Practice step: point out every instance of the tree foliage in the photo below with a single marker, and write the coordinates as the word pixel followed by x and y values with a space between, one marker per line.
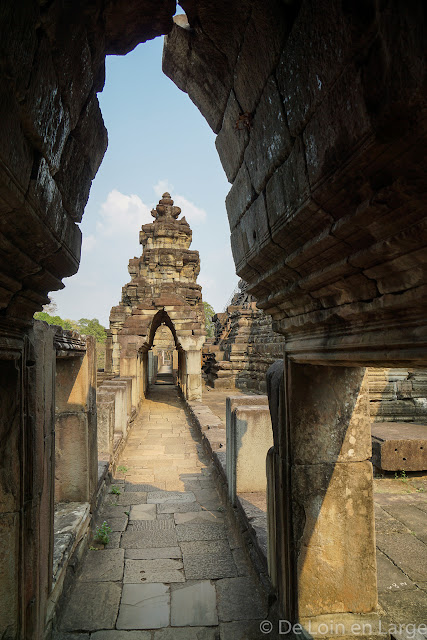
pixel 209 325
pixel 85 326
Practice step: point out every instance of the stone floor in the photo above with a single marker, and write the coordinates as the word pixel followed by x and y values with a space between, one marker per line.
pixel 173 568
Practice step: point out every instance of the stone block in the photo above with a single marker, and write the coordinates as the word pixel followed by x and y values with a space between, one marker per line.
pixel 399 446
pixel 407 552
pixel 143 512
pixel 144 606
pixel 92 606
pixel 208 531
pixel 153 554
pixel 119 635
pixel 193 605
pixel 192 633
pixel 15 150
pixel 43 107
pixel 337 398
pixel 158 570
pixel 160 497
pixel 339 125
pixel 188 60
pixel 209 566
pixel 239 197
pixel 313 57
pixel 232 139
pixel 103 566
pixel 105 422
pixel 336 570
pixel 239 599
pixel 250 437
pixel 72 461
pixel 260 51
pixel 270 142
pixel 139 539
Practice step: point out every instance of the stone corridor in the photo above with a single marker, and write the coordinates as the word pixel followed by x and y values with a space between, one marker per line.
pixel 173 568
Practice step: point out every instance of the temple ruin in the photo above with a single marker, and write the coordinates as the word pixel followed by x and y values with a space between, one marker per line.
pixel 162 291
pixel 319 114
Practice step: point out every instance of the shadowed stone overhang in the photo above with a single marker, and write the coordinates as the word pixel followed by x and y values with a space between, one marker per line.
pixel 319 111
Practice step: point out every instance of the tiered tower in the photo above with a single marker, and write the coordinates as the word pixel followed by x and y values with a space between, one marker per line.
pixel 162 290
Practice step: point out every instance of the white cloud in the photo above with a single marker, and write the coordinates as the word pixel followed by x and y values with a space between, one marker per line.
pixel 162 187
pixel 121 214
pixel 193 214
pixel 88 243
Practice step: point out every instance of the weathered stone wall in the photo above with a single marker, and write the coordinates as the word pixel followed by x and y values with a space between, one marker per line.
pixel 319 111
pixel 398 395
pixel 52 136
pixel 243 348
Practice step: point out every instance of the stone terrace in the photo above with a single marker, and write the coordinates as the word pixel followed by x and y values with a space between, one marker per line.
pixel 174 567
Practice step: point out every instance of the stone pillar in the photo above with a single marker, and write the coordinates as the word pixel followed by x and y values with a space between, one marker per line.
pixel 193 375
pixel 324 486
pixel 175 365
pixel 27 410
pixel 242 442
pixel 105 402
pixel 121 397
pixel 76 451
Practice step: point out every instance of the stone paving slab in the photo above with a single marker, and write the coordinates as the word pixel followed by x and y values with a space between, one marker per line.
pixel 142 512
pixel 60 635
pixel 160 497
pixel 245 630
pixel 114 540
pixel 113 512
pixel 239 599
pixel 405 550
pixel 130 487
pixel 152 525
pixel 206 531
pixel 202 547
pixel 148 539
pixel 144 606
pixel 120 635
pixel 199 517
pixel 92 606
pixel 131 497
pixel 390 577
pixel 406 607
pixel 153 553
pixel 194 633
pixel 209 566
pixel 193 604
pixel 103 566
pixel 159 570
pixel 412 517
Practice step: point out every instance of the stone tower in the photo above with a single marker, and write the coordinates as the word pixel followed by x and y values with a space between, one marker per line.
pixel 162 291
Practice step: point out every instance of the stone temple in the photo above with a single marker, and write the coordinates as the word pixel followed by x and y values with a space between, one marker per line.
pixel 162 291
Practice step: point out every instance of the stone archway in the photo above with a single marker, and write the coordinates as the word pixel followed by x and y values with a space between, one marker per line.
pixel 163 289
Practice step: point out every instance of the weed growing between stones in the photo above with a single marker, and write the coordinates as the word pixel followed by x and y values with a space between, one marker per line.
pixel 102 533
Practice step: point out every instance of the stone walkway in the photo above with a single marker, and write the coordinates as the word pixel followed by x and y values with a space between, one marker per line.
pixel 173 566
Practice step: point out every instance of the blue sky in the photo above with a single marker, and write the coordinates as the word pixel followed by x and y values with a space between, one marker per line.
pixel 158 141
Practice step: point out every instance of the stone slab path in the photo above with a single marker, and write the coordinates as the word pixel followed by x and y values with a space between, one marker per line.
pixel 173 568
